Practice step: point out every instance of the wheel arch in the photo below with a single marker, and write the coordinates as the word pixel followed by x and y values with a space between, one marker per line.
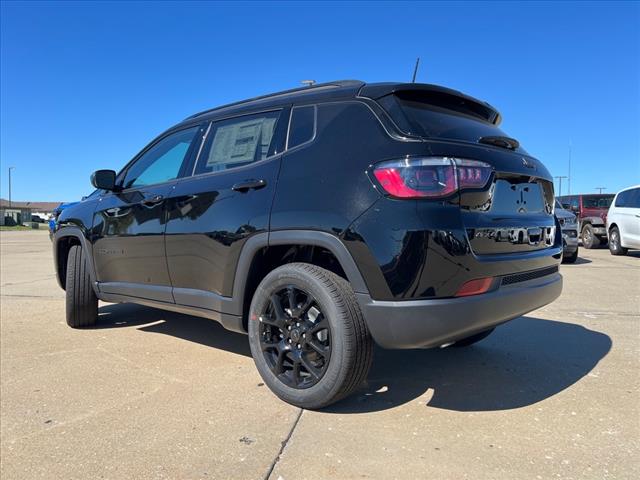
pixel 265 251
pixel 591 221
pixel 63 240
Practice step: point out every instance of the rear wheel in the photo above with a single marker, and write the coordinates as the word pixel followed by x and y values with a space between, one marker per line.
pixel 589 240
pixel 615 246
pixel 307 335
pixel 82 303
pixel 466 342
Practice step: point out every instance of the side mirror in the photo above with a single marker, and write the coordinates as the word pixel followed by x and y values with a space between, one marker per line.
pixel 104 179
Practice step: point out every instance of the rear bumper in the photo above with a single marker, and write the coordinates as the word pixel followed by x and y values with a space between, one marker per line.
pixel 431 323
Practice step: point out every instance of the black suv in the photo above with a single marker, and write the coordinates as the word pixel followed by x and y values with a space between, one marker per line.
pixel 319 220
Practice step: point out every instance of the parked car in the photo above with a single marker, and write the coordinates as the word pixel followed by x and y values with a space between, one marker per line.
pixel 623 221
pixel 37 218
pixel 591 210
pixel 53 220
pixel 320 220
pixel 569 225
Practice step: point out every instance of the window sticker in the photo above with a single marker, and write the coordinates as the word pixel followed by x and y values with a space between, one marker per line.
pixel 237 143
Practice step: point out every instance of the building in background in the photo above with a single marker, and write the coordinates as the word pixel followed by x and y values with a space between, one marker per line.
pixel 22 212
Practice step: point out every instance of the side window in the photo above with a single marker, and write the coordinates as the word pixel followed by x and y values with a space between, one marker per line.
pixel 622 200
pixel 162 161
pixel 633 200
pixel 237 142
pixel 303 125
pixel 574 203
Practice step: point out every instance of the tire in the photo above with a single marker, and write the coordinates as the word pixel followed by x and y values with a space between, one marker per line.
pixel 615 243
pixel 335 349
pixel 589 240
pixel 82 303
pixel 466 342
pixel 571 258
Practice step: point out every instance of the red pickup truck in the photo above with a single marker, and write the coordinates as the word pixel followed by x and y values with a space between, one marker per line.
pixel 591 210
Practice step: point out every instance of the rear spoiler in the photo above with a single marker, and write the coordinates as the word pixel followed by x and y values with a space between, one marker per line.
pixel 479 108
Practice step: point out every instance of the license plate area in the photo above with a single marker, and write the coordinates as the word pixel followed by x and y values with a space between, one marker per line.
pixel 515 219
pixel 517 198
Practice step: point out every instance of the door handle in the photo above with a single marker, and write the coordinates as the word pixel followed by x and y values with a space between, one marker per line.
pixel 150 202
pixel 247 185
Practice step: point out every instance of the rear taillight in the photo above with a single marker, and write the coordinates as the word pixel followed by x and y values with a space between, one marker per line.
pixel 432 177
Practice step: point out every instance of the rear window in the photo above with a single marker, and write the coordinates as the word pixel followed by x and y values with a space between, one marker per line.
pixel 597 201
pixel 440 116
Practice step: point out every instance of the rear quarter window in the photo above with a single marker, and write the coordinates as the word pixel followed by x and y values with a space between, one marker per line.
pixel 302 128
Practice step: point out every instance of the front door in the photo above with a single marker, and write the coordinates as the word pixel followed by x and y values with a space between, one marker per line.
pixel 128 226
pixel 228 199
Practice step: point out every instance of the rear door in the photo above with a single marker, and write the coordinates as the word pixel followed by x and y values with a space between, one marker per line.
pixel 228 198
pixel 129 225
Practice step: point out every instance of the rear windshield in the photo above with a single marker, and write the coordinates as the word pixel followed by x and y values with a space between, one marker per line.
pixel 597 201
pixel 448 117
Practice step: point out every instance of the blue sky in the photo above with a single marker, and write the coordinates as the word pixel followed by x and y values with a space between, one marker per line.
pixel 87 85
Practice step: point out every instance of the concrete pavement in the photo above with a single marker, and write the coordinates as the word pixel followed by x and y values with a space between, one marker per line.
pixel 153 394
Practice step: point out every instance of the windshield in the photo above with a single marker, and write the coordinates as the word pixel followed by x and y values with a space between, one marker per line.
pixel 597 201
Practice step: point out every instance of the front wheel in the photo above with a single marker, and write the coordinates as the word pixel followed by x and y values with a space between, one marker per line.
pixel 589 239
pixel 307 335
pixel 82 303
pixel 615 246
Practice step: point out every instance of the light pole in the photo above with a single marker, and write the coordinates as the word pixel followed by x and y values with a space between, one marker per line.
pixel 600 189
pixel 10 168
pixel 569 180
pixel 560 177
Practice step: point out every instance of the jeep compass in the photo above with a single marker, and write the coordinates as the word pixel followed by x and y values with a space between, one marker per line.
pixel 321 220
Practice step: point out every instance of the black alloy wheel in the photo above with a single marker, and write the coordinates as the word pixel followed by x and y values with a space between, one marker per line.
pixel 295 337
pixel 308 337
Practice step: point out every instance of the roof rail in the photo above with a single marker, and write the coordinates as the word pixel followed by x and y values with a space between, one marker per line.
pixel 318 86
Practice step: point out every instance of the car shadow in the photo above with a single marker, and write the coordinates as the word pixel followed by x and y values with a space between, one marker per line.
pixel 523 362
pixel 194 329
pixel 579 261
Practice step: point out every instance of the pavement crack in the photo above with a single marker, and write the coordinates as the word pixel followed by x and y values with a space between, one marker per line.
pixel 283 446
pixel 26 282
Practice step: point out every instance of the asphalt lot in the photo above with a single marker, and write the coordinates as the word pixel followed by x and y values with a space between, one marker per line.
pixel 151 394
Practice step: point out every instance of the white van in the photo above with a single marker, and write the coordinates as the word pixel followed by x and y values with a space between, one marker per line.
pixel 623 221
